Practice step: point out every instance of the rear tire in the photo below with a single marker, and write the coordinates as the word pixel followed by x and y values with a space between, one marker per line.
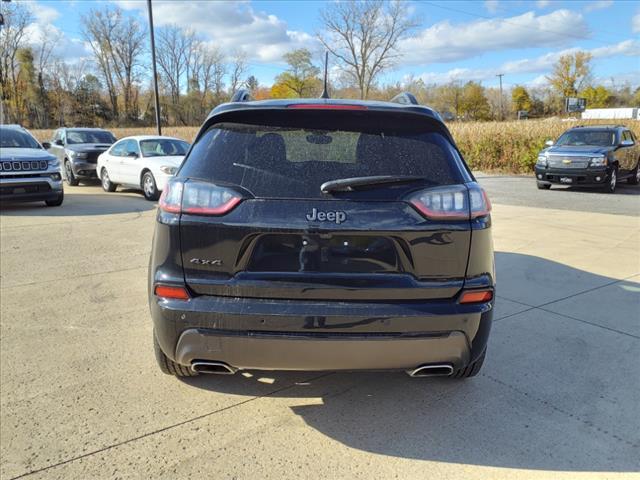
pixel 634 179
pixel 168 366
pixel 56 202
pixel 470 370
pixel 610 187
pixel 68 173
pixel 107 184
pixel 543 186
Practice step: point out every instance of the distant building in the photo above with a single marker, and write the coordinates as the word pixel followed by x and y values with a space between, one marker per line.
pixel 611 113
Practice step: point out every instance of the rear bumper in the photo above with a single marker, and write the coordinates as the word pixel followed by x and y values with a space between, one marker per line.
pixel 307 335
pixel 579 177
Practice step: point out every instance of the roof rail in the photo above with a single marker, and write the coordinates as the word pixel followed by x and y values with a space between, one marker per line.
pixel 405 98
pixel 242 95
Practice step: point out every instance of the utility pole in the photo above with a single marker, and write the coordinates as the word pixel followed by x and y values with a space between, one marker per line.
pixel 500 75
pixel 153 63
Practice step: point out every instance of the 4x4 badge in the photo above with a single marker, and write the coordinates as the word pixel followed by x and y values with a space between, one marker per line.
pixel 320 216
pixel 202 261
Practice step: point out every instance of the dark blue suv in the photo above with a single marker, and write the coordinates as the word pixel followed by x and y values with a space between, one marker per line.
pixel 322 235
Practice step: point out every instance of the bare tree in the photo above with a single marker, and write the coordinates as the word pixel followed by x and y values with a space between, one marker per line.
pixel 364 36
pixel 12 38
pixel 238 69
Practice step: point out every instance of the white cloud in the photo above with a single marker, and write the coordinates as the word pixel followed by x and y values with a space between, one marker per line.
pixel 43 14
pixel 541 64
pixel 229 25
pixel 491 5
pixel 598 5
pixel 445 42
pixel 635 23
pixel 543 3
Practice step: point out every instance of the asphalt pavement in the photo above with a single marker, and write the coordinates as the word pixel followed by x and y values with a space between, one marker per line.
pixel 81 395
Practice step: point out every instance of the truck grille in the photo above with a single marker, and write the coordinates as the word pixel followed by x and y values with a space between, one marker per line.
pixel 568 162
pixel 23 166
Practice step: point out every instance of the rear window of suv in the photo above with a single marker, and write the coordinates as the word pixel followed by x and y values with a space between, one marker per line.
pixel 274 161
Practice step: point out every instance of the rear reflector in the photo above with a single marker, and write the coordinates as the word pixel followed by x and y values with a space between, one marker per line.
pixel 476 296
pixel 198 198
pixel 324 106
pixel 177 293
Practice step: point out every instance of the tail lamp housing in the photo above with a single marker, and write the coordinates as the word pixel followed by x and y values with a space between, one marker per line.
pixel 198 198
pixel 452 202
pixel 476 296
pixel 171 292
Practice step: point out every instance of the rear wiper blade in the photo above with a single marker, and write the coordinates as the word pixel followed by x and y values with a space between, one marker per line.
pixel 350 184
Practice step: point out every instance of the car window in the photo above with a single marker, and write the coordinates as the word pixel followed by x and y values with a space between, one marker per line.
pixel 163 147
pixel 118 150
pixel 626 135
pixel 578 138
pixel 89 136
pixel 57 135
pixel 297 161
pixel 131 147
pixel 12 138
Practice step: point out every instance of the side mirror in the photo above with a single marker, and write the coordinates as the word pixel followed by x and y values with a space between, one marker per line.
pixel 58 142
pixel 132 155
pixel 549 143
pixel 46 145
pixel 626 143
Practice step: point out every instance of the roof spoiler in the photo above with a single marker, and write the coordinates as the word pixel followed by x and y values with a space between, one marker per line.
pixel 242 95
pixel 405 98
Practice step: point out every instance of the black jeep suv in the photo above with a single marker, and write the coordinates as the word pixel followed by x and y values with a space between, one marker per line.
pixel 590 156
pixel 322 235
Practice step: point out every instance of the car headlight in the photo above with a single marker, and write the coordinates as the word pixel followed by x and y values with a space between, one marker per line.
pixel 168 170
pixel 54 162
pixel 542 160
pixel 75 154
pixel 598 161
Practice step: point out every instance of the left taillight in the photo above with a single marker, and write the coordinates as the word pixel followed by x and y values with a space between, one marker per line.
pixel 198 198
pixel 452 202
pixel 171 292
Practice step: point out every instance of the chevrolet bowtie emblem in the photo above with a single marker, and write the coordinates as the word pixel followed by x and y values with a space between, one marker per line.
pixel 566 162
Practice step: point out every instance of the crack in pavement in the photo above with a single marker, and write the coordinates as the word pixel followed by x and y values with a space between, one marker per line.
pixel 164 429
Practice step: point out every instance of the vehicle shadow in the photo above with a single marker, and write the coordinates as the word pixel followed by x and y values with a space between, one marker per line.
pixel 537 404
pixel 82 204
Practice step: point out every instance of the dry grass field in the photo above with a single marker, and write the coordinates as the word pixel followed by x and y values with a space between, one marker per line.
pixel 489 146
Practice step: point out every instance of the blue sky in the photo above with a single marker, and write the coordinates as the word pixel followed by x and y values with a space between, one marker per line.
pixel 456 40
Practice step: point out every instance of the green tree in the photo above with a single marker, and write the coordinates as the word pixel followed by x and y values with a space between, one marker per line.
pixel 520 99
pixel 570 73
pixel 597 97
pixel 473 103
pixel 302 75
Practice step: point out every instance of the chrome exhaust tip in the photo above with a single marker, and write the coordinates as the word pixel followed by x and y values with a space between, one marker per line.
pixel 443 370
pixel 216 368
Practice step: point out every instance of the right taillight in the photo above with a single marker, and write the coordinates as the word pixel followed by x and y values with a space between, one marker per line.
pixel 198 198
pixel 453 202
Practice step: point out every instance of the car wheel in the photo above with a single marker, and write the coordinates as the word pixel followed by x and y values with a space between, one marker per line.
pixel 543 186
pixel 55 202
pixel 634 179
pixel 610 187
pixel 149 187
pixel 168 366
pixel 107 185
pixel 68 173
pixel 470 370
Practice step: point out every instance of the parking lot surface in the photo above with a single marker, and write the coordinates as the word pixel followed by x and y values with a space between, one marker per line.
pixel 82 397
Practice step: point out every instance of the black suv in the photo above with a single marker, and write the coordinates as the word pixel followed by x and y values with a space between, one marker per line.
pixel 78 150
pixel 590 156
pixel 322 235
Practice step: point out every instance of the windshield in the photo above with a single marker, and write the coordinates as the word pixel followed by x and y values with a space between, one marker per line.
pixel 577 138
pixel 163 147
pixel 285 162
pixel 89 136
pixel 10 138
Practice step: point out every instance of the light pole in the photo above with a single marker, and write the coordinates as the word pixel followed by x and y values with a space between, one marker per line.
pixel 153 63
pixel 500 75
